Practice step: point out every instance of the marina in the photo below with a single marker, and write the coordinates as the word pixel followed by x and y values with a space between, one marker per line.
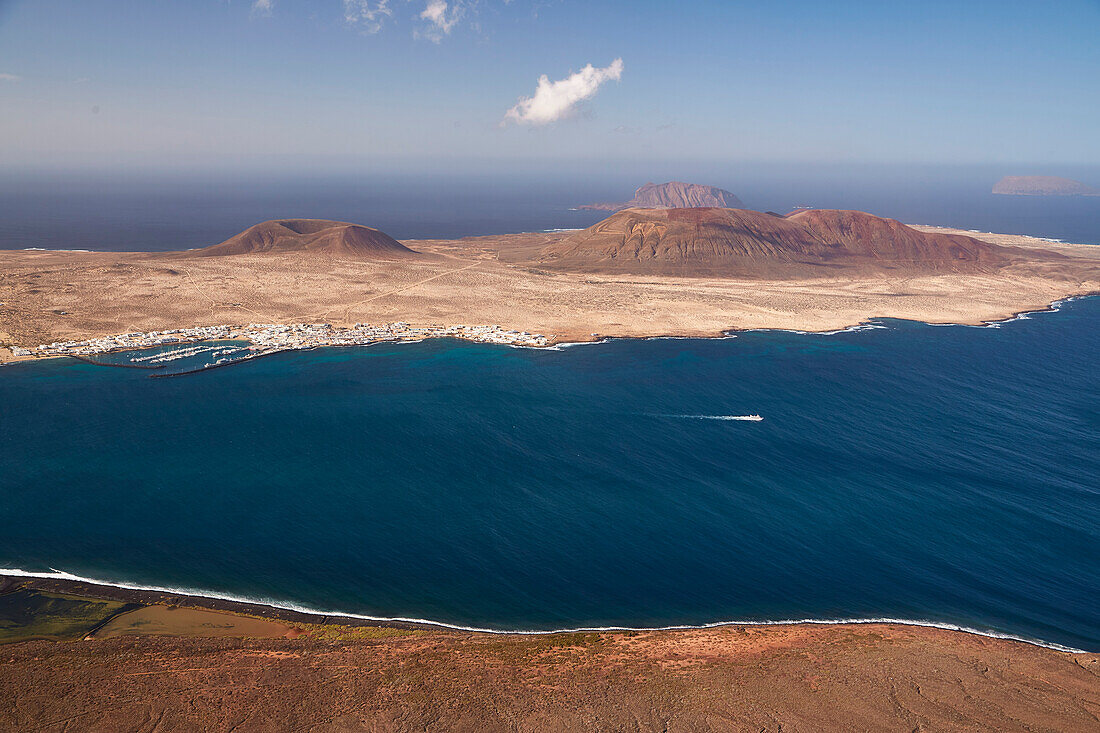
pixel 261 340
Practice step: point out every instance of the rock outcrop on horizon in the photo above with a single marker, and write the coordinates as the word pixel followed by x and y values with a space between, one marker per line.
pixel 321 236
pixel 673 195
pixel 1042 186
pixel 743 243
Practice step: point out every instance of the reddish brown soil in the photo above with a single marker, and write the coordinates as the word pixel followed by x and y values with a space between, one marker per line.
pixel 793 678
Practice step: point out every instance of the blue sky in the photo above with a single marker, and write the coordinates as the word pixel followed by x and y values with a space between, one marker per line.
pixel 332 83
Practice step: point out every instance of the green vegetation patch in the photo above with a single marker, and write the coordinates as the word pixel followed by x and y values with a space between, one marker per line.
pixel 338 632
pixel 31 614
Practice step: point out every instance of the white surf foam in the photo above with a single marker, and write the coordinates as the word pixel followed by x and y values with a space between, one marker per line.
pixel 54 574
pixel 1054 307
pixel 870 326
pixel 45 249
pixel 608 339
pixel 563 345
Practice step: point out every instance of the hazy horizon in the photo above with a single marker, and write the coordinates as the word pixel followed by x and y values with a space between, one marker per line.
pixel 144 210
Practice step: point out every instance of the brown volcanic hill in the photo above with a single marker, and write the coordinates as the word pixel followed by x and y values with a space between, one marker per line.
pixel 739 242
pixel 674 195
pixel 1042 186
pixel 311 235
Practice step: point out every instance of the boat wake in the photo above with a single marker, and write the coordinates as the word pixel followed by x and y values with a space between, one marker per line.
pixel 745 418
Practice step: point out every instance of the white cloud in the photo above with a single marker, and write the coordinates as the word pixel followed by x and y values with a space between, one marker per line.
pixel 367 15
pixel 558 99
pixel 9 77
pixel 262 7
pixel 440 21
pixel 440 16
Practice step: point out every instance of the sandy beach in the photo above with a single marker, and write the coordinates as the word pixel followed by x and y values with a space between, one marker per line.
pixel 52 296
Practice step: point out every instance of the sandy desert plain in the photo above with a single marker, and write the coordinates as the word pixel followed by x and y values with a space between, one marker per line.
pixel 48 296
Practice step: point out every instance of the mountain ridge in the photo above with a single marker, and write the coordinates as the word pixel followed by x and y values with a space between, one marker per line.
pixel 742 242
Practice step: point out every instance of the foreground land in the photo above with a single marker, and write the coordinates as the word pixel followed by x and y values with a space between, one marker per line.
pixel 56 296
pixel 134 663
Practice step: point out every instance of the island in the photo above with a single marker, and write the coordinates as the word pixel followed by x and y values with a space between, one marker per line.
pixel 1042 186
pixel 639 273
pixel 674 194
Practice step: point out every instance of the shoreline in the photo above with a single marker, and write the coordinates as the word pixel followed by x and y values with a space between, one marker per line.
pixel 550 343
pixel 979 234
pixel 62 582
pixel 184 668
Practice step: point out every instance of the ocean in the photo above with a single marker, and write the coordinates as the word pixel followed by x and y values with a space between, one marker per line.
pixel 941 474
pixel 146 212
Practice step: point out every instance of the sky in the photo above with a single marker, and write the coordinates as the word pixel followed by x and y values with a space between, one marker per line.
pixel 446 83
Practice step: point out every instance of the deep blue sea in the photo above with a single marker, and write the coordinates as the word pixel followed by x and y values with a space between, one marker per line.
pixel 943 474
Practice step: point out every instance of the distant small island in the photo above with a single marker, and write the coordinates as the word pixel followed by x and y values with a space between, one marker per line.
pixel 672 195
pixel 1042 186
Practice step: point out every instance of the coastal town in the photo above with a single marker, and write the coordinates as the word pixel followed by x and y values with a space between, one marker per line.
pixel 269 338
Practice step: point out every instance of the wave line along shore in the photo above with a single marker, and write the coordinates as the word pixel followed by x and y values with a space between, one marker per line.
pixel 61 575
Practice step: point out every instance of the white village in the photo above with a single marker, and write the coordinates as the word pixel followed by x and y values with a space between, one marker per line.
pixel 268 338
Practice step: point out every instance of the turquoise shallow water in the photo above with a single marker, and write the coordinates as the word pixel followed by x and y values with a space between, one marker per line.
pixel 946 474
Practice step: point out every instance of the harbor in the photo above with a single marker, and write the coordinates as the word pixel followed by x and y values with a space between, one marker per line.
pixel 209 347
